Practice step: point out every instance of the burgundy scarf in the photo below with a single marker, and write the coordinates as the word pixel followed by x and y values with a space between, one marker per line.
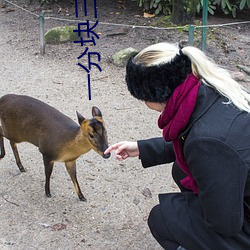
pixel 174 119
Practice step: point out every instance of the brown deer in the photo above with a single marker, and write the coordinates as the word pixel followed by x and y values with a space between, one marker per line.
pixel 59 138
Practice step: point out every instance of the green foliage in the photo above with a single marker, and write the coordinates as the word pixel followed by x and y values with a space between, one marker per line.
pixel 165 6
pixel 226 6
pixel 211 7
pixel 230 6
pixel 158 6
pixel 244 4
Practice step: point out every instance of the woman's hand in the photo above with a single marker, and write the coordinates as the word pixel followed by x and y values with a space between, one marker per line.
pixel 124 150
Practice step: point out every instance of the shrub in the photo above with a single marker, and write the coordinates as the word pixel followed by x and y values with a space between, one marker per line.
pixel 157 6
pixel 227 6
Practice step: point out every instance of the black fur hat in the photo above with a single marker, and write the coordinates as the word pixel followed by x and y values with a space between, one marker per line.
pixel 156 83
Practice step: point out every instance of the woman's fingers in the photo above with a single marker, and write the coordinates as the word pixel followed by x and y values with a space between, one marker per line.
pixel 121 148
pixel 124 149
pixel 113 147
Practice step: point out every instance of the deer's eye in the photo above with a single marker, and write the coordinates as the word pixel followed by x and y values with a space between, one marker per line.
pixel 91 136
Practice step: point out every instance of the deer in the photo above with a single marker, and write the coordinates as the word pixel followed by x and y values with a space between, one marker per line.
pixel 57 136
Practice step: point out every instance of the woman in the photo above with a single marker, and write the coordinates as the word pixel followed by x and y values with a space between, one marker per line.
pixel 205 118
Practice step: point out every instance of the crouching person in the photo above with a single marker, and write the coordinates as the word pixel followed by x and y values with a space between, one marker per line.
pixel 205 119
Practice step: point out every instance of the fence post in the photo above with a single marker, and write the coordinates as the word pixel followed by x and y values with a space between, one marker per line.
pixel 204 24
pixel 42 31
pixel 191 35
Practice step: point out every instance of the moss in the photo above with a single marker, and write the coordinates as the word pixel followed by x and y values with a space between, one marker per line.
pixel 61 34
pixel 163 22
pixel 121 58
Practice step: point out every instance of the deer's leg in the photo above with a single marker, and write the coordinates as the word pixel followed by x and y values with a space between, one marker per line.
pixel 1 144
pixel 71 168
pixel 48 165
pixel 18 161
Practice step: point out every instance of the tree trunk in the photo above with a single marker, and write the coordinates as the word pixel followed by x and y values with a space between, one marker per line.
pixel 183 11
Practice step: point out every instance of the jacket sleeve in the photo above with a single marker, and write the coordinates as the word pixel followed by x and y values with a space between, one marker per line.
pixel 220 173
pixel 155 151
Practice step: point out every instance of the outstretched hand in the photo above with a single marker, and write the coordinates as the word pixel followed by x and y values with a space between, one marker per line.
pixel 124 150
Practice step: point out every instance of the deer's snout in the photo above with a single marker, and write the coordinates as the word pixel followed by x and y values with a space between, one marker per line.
pixel 106 156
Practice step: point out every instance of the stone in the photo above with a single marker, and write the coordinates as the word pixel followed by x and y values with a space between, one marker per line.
pixel 121 58
pixel 239 76
pixel 147 193
pixel 244 68
pixel 2 3
pixel 61 35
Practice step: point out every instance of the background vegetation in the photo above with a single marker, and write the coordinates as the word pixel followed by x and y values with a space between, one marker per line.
pixel 165 6
pixel 226 6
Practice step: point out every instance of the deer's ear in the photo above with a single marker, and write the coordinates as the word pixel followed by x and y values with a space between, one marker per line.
pixel 96 112
pixel 80 118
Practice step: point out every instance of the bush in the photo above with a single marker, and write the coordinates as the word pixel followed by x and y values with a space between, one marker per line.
pixel 227 6
pixel 232 6
pixel 157 6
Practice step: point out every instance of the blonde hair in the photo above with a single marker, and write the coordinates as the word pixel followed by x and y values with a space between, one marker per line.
pixel 202 67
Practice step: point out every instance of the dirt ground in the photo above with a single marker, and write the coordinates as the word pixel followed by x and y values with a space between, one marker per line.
pixel 119 195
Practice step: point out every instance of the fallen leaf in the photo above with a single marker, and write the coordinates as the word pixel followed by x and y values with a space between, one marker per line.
pixel 58 227
pixel 147 15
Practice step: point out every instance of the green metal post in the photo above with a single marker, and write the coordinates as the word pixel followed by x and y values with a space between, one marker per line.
pixel 204 24
pixel 191 35
pixel 42 31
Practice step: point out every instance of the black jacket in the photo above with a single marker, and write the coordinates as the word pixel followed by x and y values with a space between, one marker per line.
pixel 216 145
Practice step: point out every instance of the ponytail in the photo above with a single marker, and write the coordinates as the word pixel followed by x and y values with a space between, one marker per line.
pixel 218 78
